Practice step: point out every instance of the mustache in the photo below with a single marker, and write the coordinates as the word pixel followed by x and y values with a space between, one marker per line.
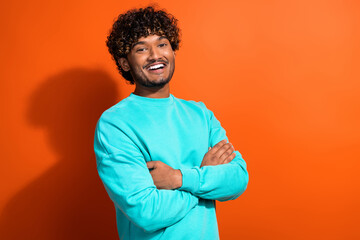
pixel 155 61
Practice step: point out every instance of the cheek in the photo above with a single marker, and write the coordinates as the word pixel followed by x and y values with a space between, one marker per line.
pixel 171 53
pixel 138 62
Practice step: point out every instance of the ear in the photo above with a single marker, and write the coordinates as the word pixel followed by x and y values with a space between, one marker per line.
pixel 124 63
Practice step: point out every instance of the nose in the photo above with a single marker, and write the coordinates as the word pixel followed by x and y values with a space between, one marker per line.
pixel 154 53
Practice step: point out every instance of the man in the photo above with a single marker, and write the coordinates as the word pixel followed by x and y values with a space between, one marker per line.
pixel 163 160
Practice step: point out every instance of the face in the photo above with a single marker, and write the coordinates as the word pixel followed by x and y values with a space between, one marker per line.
pixel 151 61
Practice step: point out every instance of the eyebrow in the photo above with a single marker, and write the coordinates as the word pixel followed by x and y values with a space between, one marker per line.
pixel 142 42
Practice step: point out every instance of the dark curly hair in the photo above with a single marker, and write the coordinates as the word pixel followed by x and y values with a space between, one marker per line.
pixel 137 23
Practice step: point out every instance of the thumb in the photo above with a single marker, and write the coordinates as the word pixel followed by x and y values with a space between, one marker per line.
pixel 151 164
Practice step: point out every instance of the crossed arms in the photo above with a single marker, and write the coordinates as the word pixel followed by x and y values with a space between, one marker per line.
pixel 156 199
pixel 165 177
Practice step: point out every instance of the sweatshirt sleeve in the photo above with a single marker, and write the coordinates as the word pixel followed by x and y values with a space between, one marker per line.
pixel 221 182
pixel 123 171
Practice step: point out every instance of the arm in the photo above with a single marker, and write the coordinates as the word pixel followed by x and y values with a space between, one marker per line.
pixel 221 182
pixel 124 172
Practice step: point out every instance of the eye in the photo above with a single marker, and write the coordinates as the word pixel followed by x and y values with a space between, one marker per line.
pixel 141 50
pixel 162 44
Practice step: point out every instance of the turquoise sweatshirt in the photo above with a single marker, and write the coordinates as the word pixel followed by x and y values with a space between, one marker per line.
pixel 178 133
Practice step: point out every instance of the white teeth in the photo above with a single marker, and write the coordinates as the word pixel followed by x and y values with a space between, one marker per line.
pixel 156 66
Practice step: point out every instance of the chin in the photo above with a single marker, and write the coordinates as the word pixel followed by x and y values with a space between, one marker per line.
pixel 159 83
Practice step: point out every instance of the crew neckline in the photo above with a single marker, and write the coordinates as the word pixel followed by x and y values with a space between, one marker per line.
pixel 152 101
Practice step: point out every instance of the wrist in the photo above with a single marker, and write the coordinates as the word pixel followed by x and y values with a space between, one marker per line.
pixel 177 179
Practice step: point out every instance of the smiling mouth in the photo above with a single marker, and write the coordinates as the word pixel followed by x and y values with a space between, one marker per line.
pixel 156 68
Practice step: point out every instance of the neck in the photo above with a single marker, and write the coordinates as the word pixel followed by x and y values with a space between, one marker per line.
pixel 161 92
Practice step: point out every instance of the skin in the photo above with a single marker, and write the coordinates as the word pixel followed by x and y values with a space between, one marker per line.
pixel 147 51
pixel 155 49
pixel 221 153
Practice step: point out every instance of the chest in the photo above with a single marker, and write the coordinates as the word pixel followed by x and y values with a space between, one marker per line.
pixel 177 138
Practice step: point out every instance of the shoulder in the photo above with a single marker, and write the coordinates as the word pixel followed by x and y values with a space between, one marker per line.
pixel 191 103
pixel 117 113
pixel 198 106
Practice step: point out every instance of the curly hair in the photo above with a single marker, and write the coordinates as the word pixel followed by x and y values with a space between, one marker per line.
pixel 138 23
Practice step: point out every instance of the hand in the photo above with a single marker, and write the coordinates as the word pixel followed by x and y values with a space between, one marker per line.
pixel 221 153
pixel 164 176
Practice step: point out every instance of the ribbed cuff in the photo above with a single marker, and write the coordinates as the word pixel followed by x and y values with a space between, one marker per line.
pixel 190 180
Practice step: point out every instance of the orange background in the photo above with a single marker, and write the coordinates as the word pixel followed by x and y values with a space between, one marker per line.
pixel 281 76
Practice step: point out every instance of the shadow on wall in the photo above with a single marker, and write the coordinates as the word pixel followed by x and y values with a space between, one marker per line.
pixel 68 201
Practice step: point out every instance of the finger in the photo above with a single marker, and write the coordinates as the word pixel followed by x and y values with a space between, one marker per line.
pixel 223 150
pixel 218 146
pixel 230 158
pixel 227 153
